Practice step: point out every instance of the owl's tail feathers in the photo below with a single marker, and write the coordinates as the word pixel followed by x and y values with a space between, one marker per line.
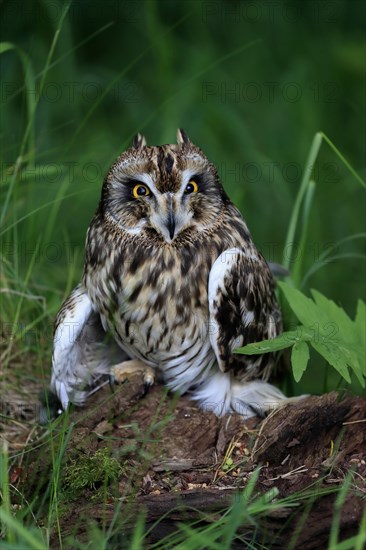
pixel 222 394
pixel 256 398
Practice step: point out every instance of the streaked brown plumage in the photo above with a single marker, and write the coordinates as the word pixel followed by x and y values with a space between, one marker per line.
pixel 171 272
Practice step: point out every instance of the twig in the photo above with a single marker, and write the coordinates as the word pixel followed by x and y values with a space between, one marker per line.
pixel 298 470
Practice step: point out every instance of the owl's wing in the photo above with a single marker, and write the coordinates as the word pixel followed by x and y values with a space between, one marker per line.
pixel 81 353
pixel 243 309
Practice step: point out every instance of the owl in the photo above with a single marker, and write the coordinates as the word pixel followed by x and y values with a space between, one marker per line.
pixel 172 285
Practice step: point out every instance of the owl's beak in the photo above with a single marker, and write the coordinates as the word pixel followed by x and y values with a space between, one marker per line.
pixel 171 224
pixel 168 218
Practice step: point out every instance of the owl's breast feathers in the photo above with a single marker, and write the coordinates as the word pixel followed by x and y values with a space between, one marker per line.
pixel 154 298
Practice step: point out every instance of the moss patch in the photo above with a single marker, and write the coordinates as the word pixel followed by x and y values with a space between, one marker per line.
pixel 90 471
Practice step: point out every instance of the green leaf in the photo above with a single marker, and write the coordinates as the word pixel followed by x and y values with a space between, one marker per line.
pixel 336 356
pixel 304 308
pixel 336 315
pixel 360 318
pixel 331 332
pixel 346 335
pixel 299 359
pixel 284 340
pixel 360 335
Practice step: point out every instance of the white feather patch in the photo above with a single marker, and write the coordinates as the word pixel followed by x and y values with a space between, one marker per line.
pixel 72 324
pixel 221 394
pixel 79 355
pixel 254 398
pixel 215 393
pixel 216 288
pixel 248 318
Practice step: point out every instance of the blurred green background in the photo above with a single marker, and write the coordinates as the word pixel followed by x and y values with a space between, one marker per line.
pixel 251 83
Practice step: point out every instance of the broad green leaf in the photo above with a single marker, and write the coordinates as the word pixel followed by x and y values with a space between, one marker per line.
pixel 359 372
pixel 360 318
pixel 339 339
pixel 284 340
pixel 327 327
pixel 335 357
pixel 299 359
pixel 343 333
pixel 304 308
pixel 360 328
pixel 349 337
pixel 336 315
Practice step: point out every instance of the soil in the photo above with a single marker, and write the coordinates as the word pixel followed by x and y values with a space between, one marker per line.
pixel 179 463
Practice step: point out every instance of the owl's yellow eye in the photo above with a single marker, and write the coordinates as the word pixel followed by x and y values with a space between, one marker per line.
pixel 140 190
pixel 191 187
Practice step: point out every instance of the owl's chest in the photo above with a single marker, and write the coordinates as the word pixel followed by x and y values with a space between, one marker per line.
pixel 165 295
pixel 156 302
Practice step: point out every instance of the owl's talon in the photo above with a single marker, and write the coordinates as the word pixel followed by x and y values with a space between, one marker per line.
pixel 149 379
pixel 147 387
pixel 121 372
pixel 50 407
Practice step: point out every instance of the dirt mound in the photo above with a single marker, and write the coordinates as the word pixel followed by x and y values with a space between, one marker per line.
pixel 162 454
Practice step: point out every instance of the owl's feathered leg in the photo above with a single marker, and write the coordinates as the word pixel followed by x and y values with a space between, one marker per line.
pixel 221 393
pixel 82 352
pixel 124 370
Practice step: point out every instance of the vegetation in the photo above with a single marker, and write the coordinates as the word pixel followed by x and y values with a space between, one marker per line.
pixel 328 329
pixel 257 87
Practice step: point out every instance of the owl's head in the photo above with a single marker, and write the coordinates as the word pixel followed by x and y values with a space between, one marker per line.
pixel 165 191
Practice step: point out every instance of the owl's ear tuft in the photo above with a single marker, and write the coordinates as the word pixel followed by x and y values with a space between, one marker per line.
pixel 139 141
pixel 182 137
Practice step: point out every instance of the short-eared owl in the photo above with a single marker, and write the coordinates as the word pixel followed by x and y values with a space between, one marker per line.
pixel 172 283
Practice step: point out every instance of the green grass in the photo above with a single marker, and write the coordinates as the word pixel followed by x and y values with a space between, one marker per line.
pixel 78 83
pixel 25 527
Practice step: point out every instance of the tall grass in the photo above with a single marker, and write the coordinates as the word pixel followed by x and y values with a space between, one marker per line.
pixel 52 172
pixel 150 75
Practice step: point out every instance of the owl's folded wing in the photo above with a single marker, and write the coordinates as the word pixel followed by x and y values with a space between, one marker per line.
pixel 243 309
pixel 70 324
pixel 80 353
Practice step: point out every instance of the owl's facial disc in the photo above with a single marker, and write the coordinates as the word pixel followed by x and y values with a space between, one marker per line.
pixel 169 189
